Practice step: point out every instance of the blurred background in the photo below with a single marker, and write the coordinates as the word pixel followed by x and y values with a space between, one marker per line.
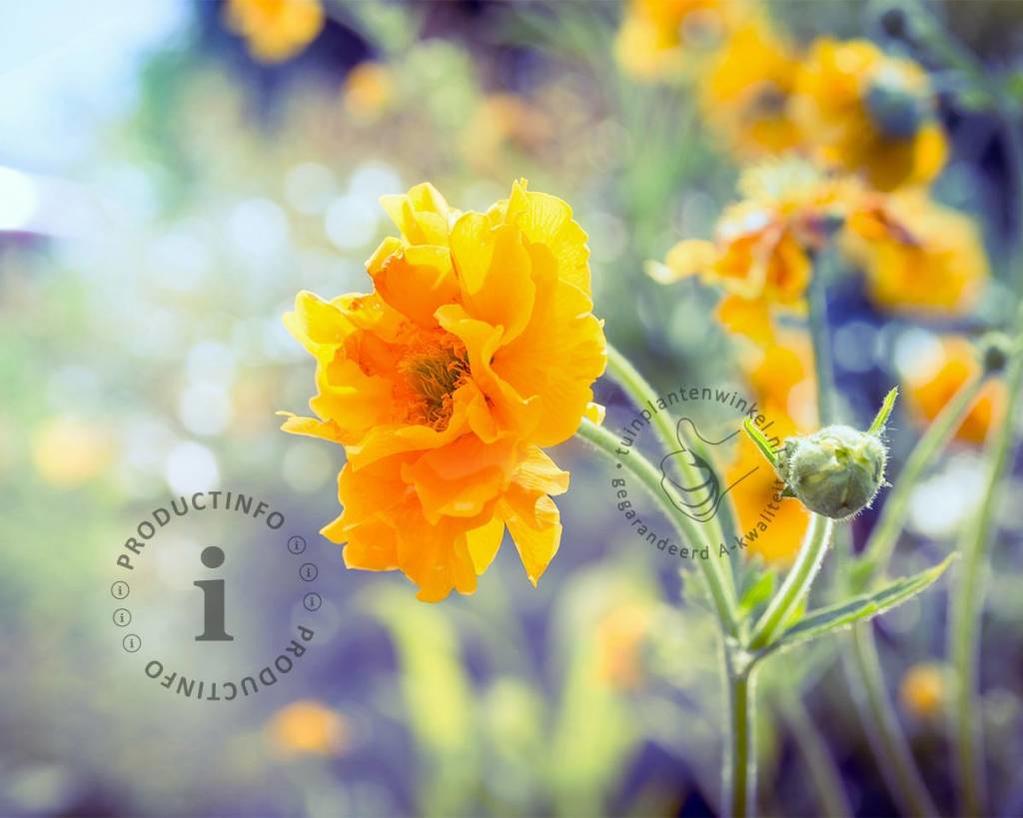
pixel 172 173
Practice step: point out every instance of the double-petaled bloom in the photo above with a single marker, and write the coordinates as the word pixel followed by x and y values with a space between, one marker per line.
pixel 864 111
pixel 477 348
pixel 762 253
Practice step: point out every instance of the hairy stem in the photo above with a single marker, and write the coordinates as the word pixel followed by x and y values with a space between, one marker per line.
pixel 741 766
pixel 881 722
pixel 797 583
pixel 722 593
pixel 818 321
pixel 644 396
pixel 885 534
pixel 967 607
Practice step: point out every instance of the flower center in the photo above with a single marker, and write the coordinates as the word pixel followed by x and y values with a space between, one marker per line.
pixel 432 370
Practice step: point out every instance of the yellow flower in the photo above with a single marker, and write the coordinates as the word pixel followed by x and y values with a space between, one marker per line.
pixel 368 89
pixel 871 113
pixel 922 691
pixel 500 120
pixel 918 256
pixel 619 640
pixel 275 30
pixel 477 347
pixel 929 390
pixel 656 34
pixel 761 253
pixel 781 377
pixel 307 727
pixel 746 90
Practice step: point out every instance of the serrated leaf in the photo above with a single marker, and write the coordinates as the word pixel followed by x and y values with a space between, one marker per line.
pixel 833 618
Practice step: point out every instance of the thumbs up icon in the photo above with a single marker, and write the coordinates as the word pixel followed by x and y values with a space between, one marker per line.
pixel 701 500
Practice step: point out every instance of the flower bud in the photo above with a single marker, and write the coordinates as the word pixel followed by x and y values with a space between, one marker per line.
pixel 836 471
pixel 897 109
pixel 995 350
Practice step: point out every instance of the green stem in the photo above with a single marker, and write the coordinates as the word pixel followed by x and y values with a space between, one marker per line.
pixel 644 396
pixel 878 551
pixel 967 606
pixel 818 321
pixel 797 583
pixel 878 716
pixel 816 755
pixel 650 476
pixel 741 765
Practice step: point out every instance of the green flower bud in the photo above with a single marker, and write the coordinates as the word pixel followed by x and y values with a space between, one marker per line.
pixel 835 472
pixel 996 348
pixel 897 111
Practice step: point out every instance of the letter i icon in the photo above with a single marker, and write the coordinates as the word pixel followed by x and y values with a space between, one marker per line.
pixel 213 599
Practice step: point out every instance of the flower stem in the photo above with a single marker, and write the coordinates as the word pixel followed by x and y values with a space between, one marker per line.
pixel 816 755
pixel 797 583
pixel 967 605
pixel 879 719
pixel 644 396
pixel 741 766
pixel 878 551
pixel 818 321
pixel 722 594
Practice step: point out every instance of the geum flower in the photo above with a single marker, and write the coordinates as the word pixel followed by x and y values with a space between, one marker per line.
pixel 762 254
pixel 275 30
pixel 477 347
pixel 746 90
pixel 864 111
pixel 918 256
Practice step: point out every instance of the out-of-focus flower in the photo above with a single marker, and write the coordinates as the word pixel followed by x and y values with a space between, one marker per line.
pixel 500 120
pixel 761 255
pixel 619 641
pixel 923 691
pixel 307 727
pixel 368 89
pixel 477 348
pixel 930 389
pixel 746 89
pixel 868 112
pixel 275 30
pixel 67 451
pixel 918 255
pixel 782 378
pixel 772 527
pixel 655 35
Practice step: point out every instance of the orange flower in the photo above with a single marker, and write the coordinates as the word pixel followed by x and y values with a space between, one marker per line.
pixel 929 389
pixel 477 347
pixel 620 634
pixel 761 256
pixel 781 376
pixel 917 254
pixel 871 113
pixel 746 90
pixel 368 89
pixel 656 34
pixel 275 30
pixel 307 728
pixel 923 691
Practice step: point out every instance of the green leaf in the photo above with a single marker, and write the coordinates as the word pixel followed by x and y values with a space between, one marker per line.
pixel 882 414
pixel 761 442
pixel 759 592
pixel 833 618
